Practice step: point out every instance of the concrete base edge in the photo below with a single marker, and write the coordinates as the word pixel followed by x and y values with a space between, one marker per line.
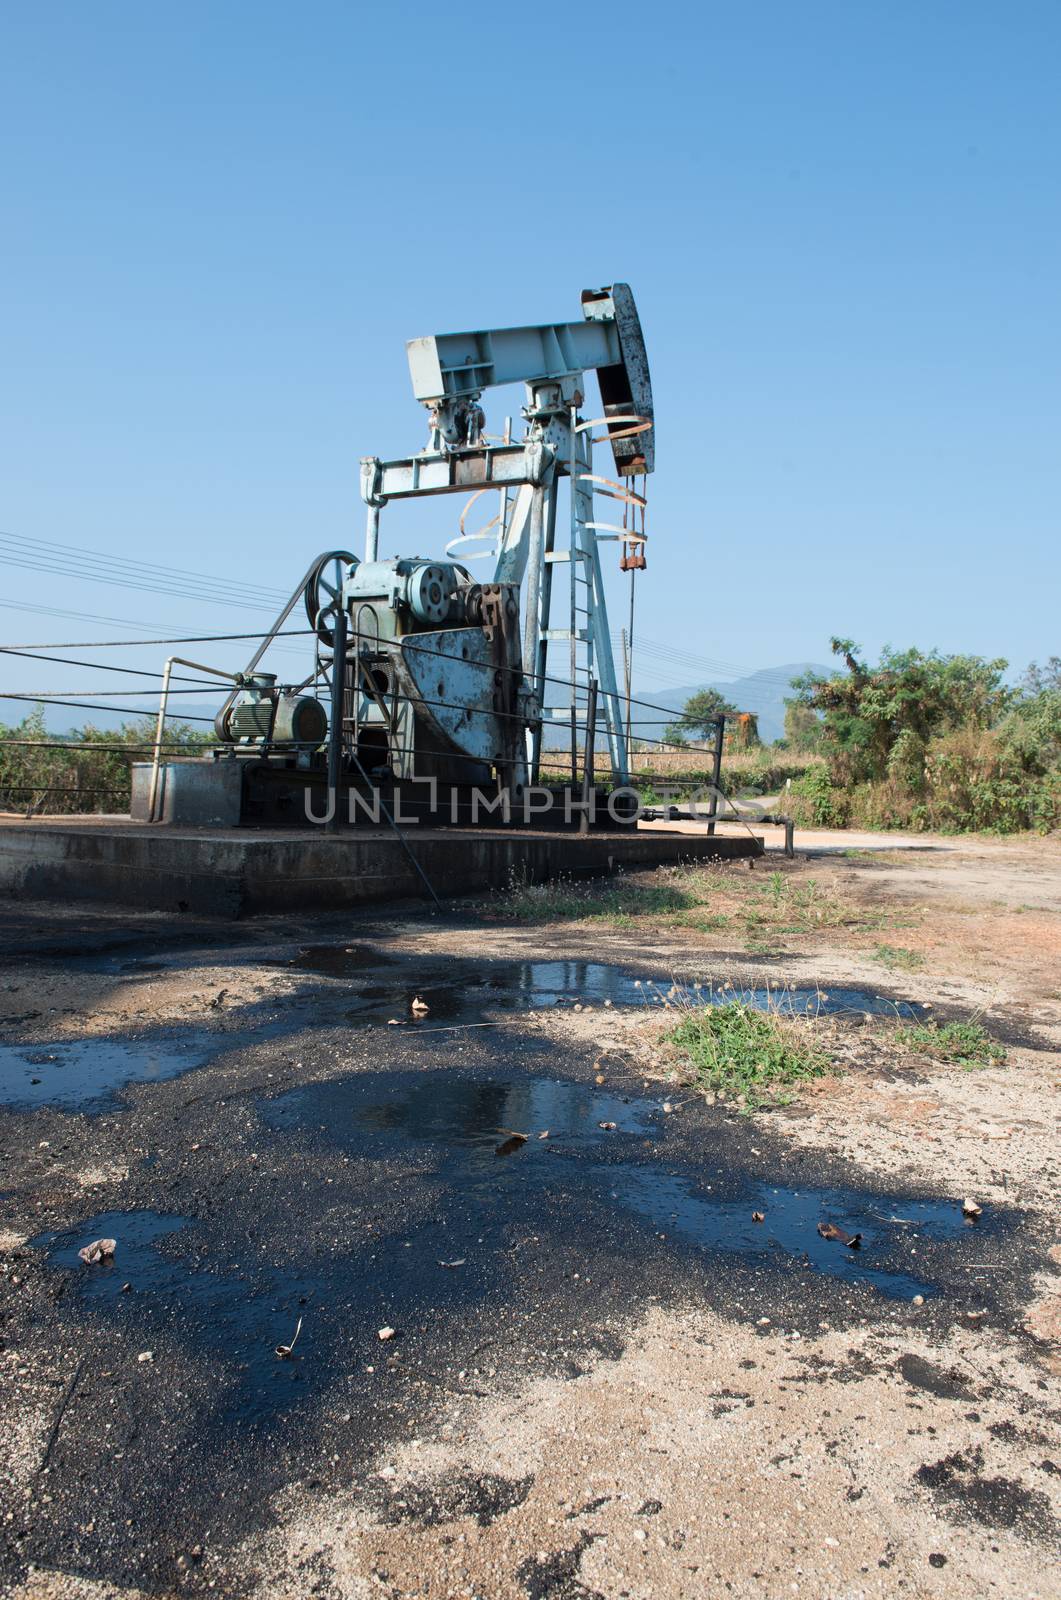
pixel 241 874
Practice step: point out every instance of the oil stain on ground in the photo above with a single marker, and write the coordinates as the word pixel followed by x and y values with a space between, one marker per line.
pixel 86 1074
pixel 514 1212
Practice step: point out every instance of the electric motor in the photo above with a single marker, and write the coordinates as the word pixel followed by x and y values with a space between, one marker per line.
pixel 289 719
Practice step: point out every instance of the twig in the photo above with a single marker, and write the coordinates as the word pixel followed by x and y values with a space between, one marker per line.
pixel 67 1396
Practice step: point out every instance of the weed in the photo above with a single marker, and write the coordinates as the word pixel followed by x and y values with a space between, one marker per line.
pixel 614 900
pixel 703 897
pixel 897 956
pixel 967 1044
pixel 744 1054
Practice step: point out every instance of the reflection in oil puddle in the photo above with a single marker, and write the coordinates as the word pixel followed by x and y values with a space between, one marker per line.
pixel 182 1290
pixel 567 1127
pixel 84 1074
pixel 471 1117
pixel 433 1222
pixel 338 960
pixel 789 1226
pixel 457 994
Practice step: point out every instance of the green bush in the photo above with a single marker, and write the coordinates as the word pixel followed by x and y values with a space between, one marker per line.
pixel 933 742
pixel 816 801
pixel 87 771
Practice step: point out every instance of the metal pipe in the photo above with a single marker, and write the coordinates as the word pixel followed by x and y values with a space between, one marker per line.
pixel 541 657
pixel 335 725
pixel 535 563
pixel 372 534
pixel 716 773
pixel 587 771
pixel 160 725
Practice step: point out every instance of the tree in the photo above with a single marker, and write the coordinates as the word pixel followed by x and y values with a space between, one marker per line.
pixel 803 726
pixel 876 720
pixel 702 710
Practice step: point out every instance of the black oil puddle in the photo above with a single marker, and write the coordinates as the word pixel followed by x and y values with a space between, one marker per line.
pixel 338 960
pixel 454 993
pixel 576 1167
pixel 509 1144
pixel 85 1074
pixel 169 1282
pixel 429 1203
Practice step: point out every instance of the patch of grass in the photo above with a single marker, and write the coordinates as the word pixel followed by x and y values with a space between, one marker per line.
pixel 897 956
pixel 762 906
pixel 614 900
pixel 746 1055
pixel 966 1044
pixel 705 921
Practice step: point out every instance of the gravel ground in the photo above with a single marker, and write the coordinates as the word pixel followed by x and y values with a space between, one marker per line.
pixel 605 1378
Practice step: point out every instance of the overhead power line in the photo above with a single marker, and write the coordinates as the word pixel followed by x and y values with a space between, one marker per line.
pixel 49 548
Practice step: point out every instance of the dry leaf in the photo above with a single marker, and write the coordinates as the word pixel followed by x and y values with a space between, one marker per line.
pixel 418 1007
pixel 607 1126
pixel 970 1208
pixel 829 1230
pixel 758 1216
pixel 458 1263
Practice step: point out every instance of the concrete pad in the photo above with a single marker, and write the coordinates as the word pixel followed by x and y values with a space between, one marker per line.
pixel 234 873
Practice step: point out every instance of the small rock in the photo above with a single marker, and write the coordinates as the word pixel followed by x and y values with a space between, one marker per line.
pixel 970 1208
pixel 385 1334
pixel 146 1356
pixel 918 1300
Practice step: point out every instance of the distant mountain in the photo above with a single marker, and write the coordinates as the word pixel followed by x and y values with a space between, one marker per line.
pixel 763 693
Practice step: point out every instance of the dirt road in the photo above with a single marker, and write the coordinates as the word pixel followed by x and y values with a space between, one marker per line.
pixel 602 1374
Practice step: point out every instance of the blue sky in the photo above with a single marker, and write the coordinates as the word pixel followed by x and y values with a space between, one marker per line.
pixel 219 224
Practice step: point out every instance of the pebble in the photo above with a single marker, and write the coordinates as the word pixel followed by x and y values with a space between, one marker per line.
pixel 918 1300
pixel 146 1355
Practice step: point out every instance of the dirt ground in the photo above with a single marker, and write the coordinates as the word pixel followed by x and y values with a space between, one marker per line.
pixel 580 1400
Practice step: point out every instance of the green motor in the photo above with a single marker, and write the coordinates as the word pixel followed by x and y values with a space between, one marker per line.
pixel 280 719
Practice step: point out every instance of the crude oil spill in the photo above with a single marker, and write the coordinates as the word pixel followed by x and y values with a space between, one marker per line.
pixel 137 1234
pixel 449 1201
pixel 455 995
pixel 554 1133
pixel 338 960
pixel 181 1290
pixel 84 1074
pixel 789 1228
pixel 478 1119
